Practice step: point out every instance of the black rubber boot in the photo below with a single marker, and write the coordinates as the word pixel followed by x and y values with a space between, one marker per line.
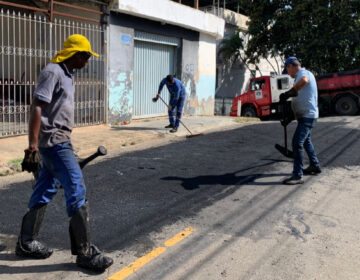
pixel 174 130
pixel 88 255
pixel 170 126
pixel 293 181
pixel 312 170
pixel 27 245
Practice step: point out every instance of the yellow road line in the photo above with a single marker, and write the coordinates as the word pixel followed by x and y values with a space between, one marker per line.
pixel 178 237
pixel 134 266
pixel 131 268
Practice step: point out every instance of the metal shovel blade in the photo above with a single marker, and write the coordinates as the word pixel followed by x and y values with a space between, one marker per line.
pixel 284 151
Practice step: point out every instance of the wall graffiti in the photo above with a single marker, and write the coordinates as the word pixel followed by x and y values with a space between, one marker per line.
pixel 121 97
pixel 189 68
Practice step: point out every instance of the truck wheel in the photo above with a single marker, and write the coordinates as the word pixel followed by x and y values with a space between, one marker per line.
pixel 249 112
pixel 346 106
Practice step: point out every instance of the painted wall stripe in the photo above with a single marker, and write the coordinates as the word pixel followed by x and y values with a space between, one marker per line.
pixel 134 266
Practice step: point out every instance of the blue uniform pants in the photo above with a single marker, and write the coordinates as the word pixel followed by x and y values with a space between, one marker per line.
pixel 301 141
pixel 59 164
pixel 178 107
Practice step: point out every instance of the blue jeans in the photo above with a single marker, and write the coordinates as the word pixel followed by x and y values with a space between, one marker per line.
pixel 178 105
pixel 301 140
pixel 59 164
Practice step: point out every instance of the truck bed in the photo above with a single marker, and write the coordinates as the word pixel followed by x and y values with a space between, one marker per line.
pixel 339 81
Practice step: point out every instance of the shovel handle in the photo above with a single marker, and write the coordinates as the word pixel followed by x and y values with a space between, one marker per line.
pixel 179 120
pixel 163 101
pixel 285 134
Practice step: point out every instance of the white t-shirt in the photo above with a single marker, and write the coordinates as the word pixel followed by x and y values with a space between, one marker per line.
pixel 305 105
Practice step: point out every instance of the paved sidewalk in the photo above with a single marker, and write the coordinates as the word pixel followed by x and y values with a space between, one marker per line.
pixel 87 139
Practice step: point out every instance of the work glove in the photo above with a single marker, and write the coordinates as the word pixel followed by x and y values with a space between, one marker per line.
pixel 170 107
pixel 31 161
pixel 287 94
pixel 156 98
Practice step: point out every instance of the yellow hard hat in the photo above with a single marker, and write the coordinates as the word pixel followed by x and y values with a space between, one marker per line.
pixel 73 44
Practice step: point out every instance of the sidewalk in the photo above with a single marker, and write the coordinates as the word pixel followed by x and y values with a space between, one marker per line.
pixel 117 138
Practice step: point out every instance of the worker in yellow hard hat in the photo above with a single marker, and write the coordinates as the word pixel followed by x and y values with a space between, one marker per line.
pixel 73 44
pixel 50 125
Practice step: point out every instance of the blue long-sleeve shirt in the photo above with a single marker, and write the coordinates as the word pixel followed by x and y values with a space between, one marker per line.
pixel 176 90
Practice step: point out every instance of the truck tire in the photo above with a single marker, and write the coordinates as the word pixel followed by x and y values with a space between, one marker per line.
pixel 249 112
pixel 346 106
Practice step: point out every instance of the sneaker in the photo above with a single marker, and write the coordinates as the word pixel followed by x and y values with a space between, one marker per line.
pixel 33 250
pixel 173 130
pixel 94 260
pixel 169 126
pixel 312 170
pixel 293 181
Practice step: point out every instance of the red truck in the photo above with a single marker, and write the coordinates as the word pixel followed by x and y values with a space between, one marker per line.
pixel 262 97
pixel 338 93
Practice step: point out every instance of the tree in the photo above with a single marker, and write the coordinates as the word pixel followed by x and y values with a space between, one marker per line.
pixel 233 49
pixel 323 34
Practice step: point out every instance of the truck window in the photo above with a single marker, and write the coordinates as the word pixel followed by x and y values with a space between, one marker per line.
pixel 258 84
pixel 283 83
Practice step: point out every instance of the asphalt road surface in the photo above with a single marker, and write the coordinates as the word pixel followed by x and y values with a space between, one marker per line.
pixel 209 207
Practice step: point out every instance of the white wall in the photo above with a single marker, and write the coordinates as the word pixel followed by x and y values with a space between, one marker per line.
pixel 205 86
pixel 236 19
pixel 173 13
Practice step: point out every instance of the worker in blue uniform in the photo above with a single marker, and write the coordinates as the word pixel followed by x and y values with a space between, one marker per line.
pixel 177 99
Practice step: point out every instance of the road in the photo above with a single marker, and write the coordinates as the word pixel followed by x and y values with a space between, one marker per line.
pixel 222 192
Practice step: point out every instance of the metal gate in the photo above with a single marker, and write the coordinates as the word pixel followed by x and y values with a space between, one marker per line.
pixel 28 42
pixel 154 58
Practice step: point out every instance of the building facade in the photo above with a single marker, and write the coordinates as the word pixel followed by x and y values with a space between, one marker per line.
pixel 151 39
pixel 139 42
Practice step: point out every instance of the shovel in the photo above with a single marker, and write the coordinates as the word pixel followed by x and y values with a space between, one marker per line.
pixel 284 150
pixel 189 135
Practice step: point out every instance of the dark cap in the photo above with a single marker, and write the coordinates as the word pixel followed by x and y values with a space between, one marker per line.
pixel 169 78
pixel 290 60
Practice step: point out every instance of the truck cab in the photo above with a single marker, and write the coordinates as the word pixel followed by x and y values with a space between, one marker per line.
pixel 262 97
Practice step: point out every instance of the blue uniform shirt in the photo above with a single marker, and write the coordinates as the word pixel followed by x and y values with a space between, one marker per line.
pixel 176 90
pixel 305 105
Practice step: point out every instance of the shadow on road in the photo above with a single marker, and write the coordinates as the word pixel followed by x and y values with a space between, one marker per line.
pixel 43 268
pixel 137 128
pixel 227 179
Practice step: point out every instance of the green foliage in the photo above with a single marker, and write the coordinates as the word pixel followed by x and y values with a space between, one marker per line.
pixel 323 34
pixel 231 48
pixel 16 161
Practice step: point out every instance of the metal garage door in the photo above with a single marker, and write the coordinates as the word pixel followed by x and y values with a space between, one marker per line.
pixel 155 57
